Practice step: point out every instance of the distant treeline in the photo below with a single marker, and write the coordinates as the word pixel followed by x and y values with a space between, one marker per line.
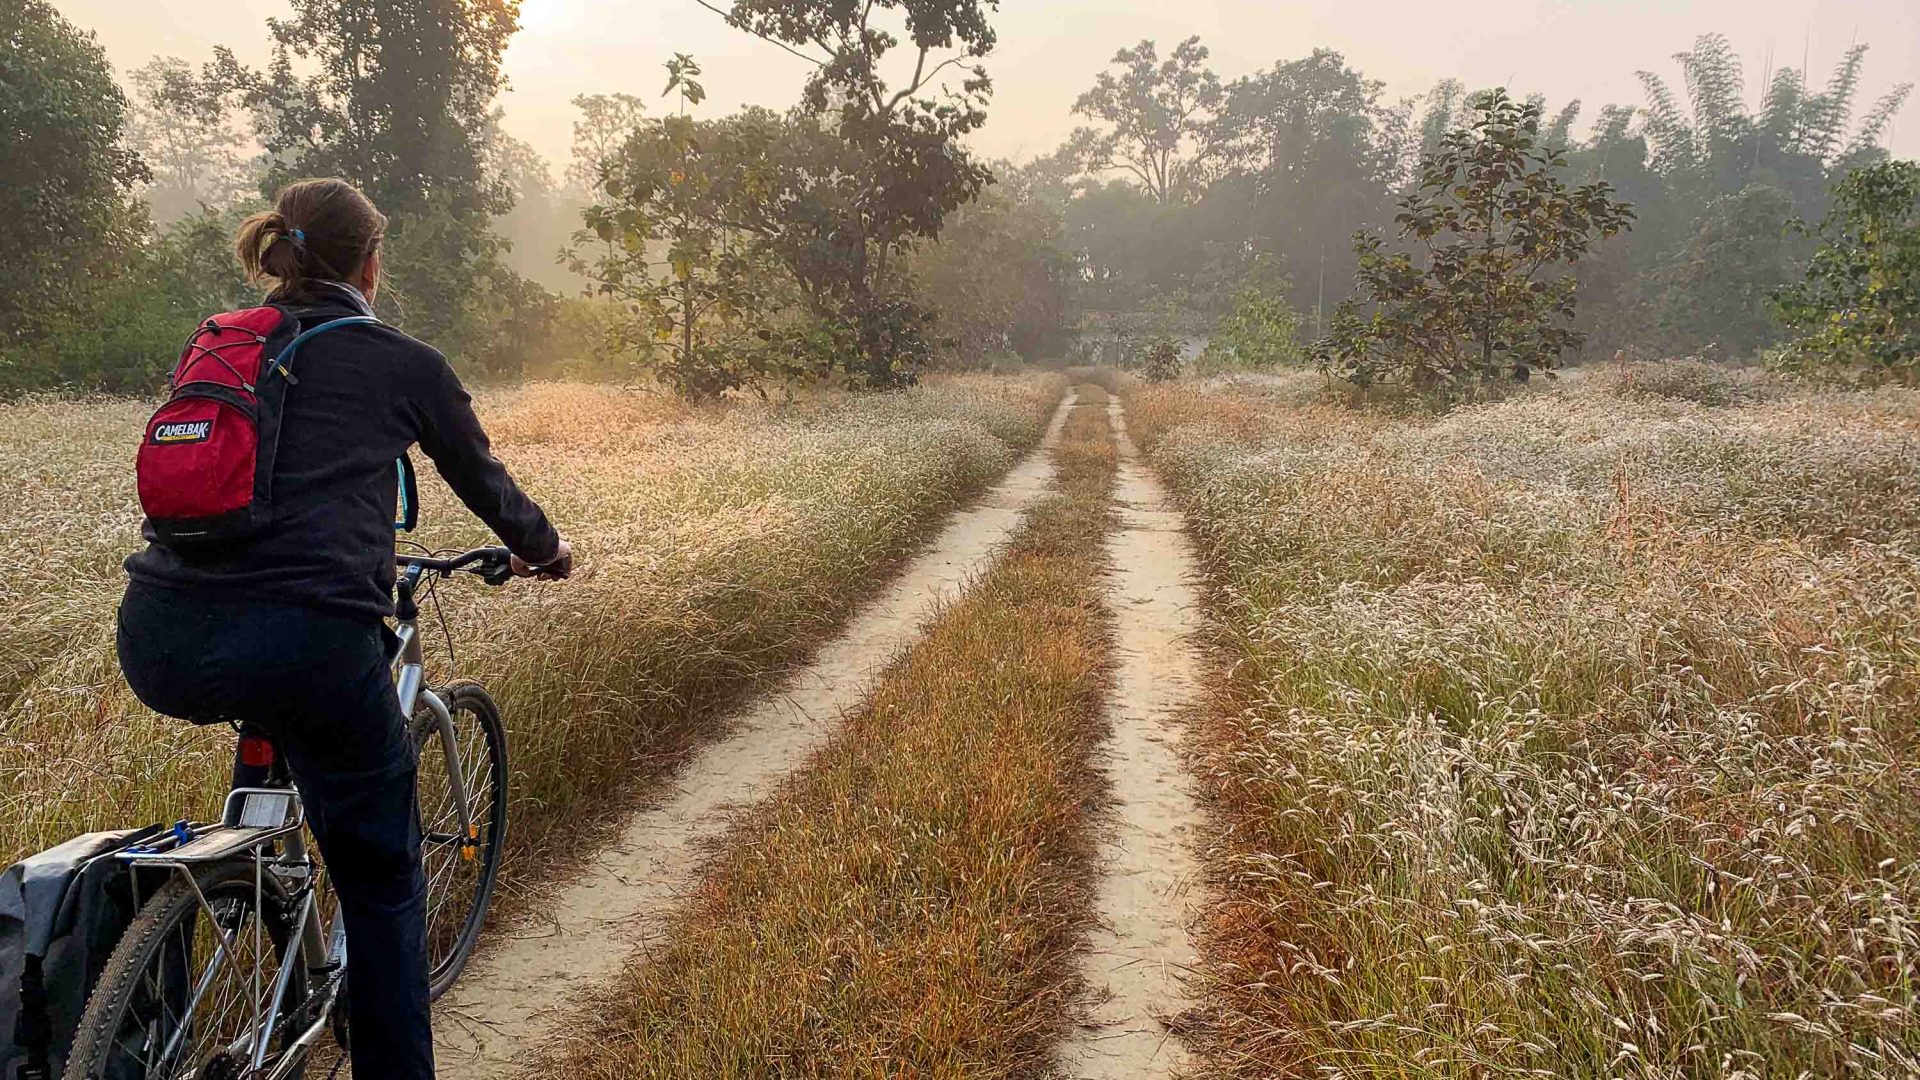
pixel 852 236
pixel 1189 185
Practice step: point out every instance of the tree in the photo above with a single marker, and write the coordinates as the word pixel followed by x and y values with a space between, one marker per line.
pixel 1160 119
pixel 696 292
pixel 1308 141
pixel 1260 333
pixel 121 332
pixel 1714 292
pixel 864 166
pixel 65 177
pixel 1859 306
pixel 182 127
pixel 395 95
pixel 1714 145
pixel 1154 267
pixel 1449 108
pixel 605 124
pixel 1706 171
pixel 1160 361
pixel 1619 292
pixel 997 276
pixel 1497 232
pixel 397 101
pixel 544 215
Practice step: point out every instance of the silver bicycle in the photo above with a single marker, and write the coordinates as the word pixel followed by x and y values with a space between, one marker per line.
pixel 236 963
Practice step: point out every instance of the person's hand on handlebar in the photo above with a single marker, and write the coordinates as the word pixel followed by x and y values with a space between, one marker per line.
pixel 561 565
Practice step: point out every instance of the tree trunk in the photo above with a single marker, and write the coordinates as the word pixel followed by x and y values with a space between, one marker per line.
pixel 689 375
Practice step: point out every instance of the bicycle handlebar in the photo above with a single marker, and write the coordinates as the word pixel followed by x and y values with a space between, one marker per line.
pixel 491 564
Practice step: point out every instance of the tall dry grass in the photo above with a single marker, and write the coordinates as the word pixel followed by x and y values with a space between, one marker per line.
pixel 1571 736
pixel 906 905
pixel 716 545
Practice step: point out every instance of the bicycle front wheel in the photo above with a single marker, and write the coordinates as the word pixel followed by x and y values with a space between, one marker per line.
pixel 462 861
pixel 188 991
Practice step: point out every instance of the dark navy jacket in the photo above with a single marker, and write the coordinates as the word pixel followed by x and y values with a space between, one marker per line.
pixel 365 394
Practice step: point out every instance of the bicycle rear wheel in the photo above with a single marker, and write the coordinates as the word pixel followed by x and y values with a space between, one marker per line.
pixel 461 869
pixel 174 1003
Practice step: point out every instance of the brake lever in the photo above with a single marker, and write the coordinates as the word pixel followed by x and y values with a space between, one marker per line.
pixel 500 574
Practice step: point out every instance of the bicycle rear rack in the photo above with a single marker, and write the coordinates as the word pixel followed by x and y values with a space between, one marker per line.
pixel 254 817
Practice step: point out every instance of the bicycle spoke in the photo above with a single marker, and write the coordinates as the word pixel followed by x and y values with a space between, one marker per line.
pixel 140 1055
pixel 194 1000
pixel 451 877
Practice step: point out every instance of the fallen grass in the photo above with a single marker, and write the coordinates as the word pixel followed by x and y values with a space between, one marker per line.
pixel 1572 735
pixel 906 905
pixel 717 545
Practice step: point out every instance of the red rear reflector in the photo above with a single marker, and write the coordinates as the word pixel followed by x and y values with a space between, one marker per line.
pixel 255 751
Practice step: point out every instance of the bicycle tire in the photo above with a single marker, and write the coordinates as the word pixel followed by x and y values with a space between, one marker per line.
pixel 483 741
pixel 152 929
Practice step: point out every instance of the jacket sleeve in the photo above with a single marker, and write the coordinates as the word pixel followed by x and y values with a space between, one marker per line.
pixel 451 435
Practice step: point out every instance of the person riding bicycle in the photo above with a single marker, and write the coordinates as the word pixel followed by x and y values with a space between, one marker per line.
pixel 284 631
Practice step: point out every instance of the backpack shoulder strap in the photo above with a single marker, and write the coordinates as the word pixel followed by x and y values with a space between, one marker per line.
pixel 409 511
pixel 283 363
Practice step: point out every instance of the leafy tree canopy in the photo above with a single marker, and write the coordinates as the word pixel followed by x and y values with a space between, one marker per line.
pixel 1160 119
pixel 998 276
pixel 1261 332
pixel 65 178
pixel 866 164
pixel 397 100
pixel 697 296
pixel 1859 306
pixel 605 124
pixel 1483 291
pixel 396 96
pixel 182 127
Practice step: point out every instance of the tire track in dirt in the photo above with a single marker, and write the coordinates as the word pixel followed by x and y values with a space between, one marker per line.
pixel 1147 896
pixel 517 990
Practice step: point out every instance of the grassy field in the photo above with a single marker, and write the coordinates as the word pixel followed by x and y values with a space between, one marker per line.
pixel 716 546
pixel 1572 735
pixel 906 906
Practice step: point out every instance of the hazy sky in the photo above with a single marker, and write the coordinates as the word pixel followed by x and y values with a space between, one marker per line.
pixel 1049 50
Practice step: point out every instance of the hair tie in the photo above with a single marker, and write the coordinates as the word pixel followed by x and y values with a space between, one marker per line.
pixel 299 237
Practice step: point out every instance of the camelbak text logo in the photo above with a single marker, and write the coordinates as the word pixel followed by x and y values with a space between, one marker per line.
pixel 183 431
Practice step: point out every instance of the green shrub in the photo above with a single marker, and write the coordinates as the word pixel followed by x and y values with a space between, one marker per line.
pixel 1260 333
pixel 1161 362
pixel 122 333
pixel 1860 305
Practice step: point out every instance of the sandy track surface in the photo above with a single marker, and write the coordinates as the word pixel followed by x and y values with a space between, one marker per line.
pixel 518 990
pixel 1147 897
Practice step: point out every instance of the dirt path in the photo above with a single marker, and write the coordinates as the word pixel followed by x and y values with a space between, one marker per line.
pixel 1146 899
pixel 516 991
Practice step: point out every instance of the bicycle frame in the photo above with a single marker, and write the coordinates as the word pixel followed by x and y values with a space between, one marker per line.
pixel 409 680
pixel 254 820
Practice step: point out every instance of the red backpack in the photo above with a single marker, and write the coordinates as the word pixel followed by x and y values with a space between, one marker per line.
pixel 205 467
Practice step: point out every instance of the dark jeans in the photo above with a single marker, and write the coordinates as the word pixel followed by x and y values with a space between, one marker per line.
pixel 319 685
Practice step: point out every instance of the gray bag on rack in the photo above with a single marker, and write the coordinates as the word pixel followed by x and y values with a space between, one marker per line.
pixel 61 913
